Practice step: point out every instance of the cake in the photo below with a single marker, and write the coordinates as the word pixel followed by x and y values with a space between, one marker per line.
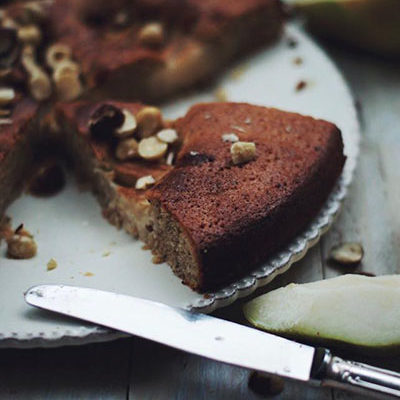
pixel 144 49
pixel 213 193
pixel 213 220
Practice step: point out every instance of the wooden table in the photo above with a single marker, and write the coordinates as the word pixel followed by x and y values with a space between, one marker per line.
pixel 138 369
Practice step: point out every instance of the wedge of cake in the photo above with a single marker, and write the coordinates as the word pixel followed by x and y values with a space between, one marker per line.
pixel 246 181
pixel 144 49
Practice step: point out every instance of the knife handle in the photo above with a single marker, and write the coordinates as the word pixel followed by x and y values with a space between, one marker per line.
pixel 350 375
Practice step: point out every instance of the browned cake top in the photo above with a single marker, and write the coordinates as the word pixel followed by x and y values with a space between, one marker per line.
pixel 214 199
pixel 102 48
pixel 22 114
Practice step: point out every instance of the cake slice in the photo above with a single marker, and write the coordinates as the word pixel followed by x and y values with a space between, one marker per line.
pixel 213 216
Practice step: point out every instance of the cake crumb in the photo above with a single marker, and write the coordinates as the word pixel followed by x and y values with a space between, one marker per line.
pixel 220 95
pixel 106 254
pixel 21 245
pixel 238 72
pixel 88 274
pixel 300 86
pixel 52 264
pixel 230 137
pixel 157 259
pixel 297 61
pixel 145 247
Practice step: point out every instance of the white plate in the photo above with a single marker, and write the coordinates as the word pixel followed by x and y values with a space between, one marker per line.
pixel 69 227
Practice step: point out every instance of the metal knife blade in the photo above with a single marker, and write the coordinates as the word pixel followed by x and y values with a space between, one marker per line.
pixel 192 332
pixel 215 338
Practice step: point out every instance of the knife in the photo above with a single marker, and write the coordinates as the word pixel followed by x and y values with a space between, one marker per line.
pixel 214 338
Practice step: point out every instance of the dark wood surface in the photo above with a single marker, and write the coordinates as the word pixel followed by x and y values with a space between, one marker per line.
pixel 138 369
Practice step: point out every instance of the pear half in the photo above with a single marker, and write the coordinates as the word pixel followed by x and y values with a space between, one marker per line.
pixel 372 25
pixel 350 309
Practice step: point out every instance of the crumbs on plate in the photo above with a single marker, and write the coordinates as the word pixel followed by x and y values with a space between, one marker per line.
pixel 52 264
pixel 221 95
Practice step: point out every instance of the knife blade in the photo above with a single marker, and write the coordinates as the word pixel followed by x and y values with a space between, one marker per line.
pixel 213 338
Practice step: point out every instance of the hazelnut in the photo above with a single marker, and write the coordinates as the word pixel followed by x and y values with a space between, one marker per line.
pixel 126 149
pixel 128 127
pixel 52 264
pixel 30 34
pixel 149 120
pixel 38 81
pixel 230 137
pixel 347 253
pixel 7 96
pixel 67 80
pixel 152 149
pixel 144 182
pixel 243 152
pixel 104 120
pixel 57 53
pixel 167 135
pixel 151 34
pixel 21 247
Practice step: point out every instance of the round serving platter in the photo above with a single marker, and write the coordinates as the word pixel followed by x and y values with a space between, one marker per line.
pixel 90 252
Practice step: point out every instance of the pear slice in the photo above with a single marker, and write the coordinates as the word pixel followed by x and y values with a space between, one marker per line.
pixel 372 25
pixel 350 309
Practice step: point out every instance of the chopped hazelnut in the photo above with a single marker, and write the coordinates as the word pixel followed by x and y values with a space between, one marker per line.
pixel 144 182
pixel 67 80
pixel 126 149
pixel 151 34
pixel 170 158
pixel 168 135
pixel 104 120
pixel 7 95
pixel 347 253
pixel 221 95
pixel 21 247
pixel 57 53
pixel 39 82
pixel 149 121
pixel 152 149
pixel 128 127
pixel 230 137
pixel 30 34
pixel 243 152
pixel 52 264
